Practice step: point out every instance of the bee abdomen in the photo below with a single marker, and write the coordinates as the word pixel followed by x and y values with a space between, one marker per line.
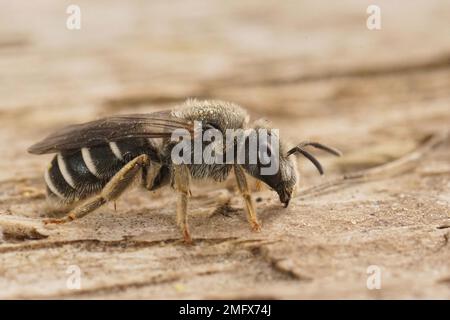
pixel 76 175
pixel 57 187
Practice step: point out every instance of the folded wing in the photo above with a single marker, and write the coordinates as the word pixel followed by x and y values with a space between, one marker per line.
pixel 115 128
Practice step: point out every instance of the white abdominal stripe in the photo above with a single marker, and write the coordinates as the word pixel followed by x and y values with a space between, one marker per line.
pixel 51 185
pixel 87 158
pixel 115 149
pixel 65 173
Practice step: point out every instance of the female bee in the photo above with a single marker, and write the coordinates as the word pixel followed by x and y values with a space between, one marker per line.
pixel 95 162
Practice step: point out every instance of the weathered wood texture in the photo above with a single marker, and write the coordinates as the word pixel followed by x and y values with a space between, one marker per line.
pixel 314 69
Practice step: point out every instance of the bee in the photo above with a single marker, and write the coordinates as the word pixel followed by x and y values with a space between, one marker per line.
pixel 97 161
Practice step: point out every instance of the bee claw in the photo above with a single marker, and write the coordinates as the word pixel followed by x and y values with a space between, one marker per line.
pixel 256 227
pixel 187 237
pixel 54 221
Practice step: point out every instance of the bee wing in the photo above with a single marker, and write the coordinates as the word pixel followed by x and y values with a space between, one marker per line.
pixel 152 125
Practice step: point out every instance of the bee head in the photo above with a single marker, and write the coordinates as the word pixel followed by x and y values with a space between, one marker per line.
pixel 273 166
pixel 284 181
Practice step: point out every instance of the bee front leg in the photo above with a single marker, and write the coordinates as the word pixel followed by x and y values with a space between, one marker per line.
pixel 181 182
pixel 245 192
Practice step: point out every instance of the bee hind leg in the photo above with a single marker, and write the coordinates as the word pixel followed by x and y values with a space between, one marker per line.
pixel 112 190
pixel 245 192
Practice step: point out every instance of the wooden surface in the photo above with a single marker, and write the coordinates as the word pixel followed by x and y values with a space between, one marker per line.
pixel 314 70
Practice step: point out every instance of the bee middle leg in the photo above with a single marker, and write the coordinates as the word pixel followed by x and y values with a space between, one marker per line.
pixel 245 192
pixel 181 182
pixel 112 190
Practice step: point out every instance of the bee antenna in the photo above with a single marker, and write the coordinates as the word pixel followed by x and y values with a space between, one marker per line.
pixel 307 155
pixel 300 149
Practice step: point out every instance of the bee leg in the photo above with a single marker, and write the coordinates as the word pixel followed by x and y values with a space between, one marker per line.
pixel 245 192
pixel 181 181
pixel 112 190
pixel 259 185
